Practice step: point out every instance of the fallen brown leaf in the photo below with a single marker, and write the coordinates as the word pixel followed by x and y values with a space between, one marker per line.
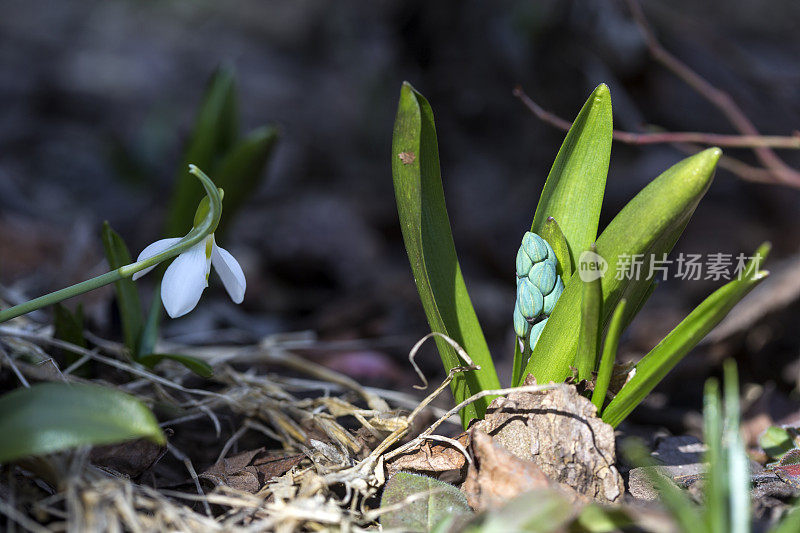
pixel 439 460
pixel 250 470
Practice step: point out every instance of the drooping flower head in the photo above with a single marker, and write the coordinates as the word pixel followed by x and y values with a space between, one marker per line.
pixel 187 277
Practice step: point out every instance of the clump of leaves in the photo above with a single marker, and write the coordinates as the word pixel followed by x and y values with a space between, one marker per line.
pixel 567 215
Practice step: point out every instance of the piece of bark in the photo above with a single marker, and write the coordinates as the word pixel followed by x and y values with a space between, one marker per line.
pixel 496 475
pixel 250 470
pixel 437 459
pixel 558 430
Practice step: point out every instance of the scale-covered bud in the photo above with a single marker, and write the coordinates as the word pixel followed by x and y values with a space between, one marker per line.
pixel 538 287
pixel 536 331
pixel 521 326
pixel 529 299
pixel 551 299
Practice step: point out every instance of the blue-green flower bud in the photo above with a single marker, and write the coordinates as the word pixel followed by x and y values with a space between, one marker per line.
pixel 534 246
pixel 521 326
pixel 550 253
pixel 536 331
pixel 529 299
pixel 543 276
pixel 551 299
pixel 524 263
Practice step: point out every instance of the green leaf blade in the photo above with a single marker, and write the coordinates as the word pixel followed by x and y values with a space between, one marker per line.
pixel 558 242
pixel 52 417
pixel 661 359
pixel 609 357
pixel 431 251
pixel 573 191
pixel 241 170
pixel 591 305
pixel 128 303
pixel 214 132
pixel 408 508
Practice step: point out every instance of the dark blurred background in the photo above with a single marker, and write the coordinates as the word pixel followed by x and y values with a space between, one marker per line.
pixel 99 96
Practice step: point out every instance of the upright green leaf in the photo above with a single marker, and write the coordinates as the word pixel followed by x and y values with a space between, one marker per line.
pixel 649 224
pixel 573 192
pixel 737 464
pixel 552 233
pixel 52 417
pixel 215 130
pixel 240 171
pixel 431 251
pixel 130 308
pixel 149 336
pixel 661 359
pixel 715 488
pixel 69 328
pixel 609 356
pixel 591 304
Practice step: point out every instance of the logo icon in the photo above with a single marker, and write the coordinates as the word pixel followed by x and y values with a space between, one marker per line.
pixel 591 266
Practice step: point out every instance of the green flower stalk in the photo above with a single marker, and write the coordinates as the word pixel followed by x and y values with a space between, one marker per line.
pixel 197 235
pixel 538 288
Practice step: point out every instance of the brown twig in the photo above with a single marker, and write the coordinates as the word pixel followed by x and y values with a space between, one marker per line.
pixel 774 170
pixel 780 171
pixel 711 139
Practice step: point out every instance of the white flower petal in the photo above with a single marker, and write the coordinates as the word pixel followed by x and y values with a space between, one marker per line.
pixel 185 280
pixel 154 249
pixel 229 272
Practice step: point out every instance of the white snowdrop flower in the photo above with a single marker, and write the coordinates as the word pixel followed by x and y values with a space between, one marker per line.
pixel 187 276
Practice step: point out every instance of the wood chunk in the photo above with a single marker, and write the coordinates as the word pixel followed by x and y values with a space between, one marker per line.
pixel 558 430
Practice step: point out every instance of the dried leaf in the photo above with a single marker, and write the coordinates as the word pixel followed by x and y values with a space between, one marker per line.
pixel 130 458
pixel 250 470
pixel 439 460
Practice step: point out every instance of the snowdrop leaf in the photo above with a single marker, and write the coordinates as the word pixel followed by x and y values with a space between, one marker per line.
pixel 69 328
pixel 418 503
pixel 661 359
pixel 573 192
pixel 53 417
pixel 241 170
pixel 431 251
pixel 215 131
pixel 198 366
pixel 128 303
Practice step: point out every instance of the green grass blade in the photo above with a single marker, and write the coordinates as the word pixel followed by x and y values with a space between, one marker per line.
pixel 52 417
pixel 609 356
pixel 661 359
pixel 215 130
pixel 552 233
pixel 738 464
pixel 649 223
pixel 573 192
pixel 431 251
pixel 128 303
pixel 241 170
pixel 589 333
pixel 715 489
